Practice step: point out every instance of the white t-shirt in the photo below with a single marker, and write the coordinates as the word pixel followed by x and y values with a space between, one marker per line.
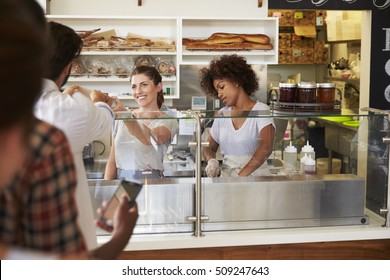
pixel 82 122
pixel 242 141
pixel 131 154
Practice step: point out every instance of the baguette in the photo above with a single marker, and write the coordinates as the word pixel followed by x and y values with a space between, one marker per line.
pixel 254 38
pixel 234 46
pixel 257 38
pixel 223 40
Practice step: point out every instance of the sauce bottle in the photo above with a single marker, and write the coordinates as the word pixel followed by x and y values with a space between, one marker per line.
pixel 310 166
pixel 308 150
pixel 290 157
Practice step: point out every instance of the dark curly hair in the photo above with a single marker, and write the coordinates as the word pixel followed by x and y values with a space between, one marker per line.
pixel 233 68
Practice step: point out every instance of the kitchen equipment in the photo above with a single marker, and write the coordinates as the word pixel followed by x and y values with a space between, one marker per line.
pixel 88 154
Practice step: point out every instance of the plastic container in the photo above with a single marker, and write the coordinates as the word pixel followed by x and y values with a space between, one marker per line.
pixel 322 165
pixel 288 92
pixel 302 163
pixel 308 150
pixel 290 157
pixel 310 166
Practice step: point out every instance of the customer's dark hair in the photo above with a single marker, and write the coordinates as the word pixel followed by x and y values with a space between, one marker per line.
pixel 233 68
pixel 153 75
pixel 22 51
pixel 64 46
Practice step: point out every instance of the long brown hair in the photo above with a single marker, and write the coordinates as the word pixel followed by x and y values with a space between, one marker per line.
pixel 153 75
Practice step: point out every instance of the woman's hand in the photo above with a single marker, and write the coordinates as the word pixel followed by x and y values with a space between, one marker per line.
pixel 123 221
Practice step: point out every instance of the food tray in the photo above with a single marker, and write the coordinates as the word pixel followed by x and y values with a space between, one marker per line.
pixel 307 108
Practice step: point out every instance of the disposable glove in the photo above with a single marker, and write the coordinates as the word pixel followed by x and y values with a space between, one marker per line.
pixel 212 168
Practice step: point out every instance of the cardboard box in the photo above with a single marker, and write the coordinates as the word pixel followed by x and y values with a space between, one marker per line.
pixel 321 54
pixel 304 18
pixel 321 17
pixel 285 56
pixel 286 17
pixel 285 40
pixel 301 42
pixel 302 55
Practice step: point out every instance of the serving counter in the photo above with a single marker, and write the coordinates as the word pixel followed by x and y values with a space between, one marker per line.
pixel 284 215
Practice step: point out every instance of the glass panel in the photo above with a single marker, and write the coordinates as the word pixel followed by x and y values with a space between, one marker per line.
pixel 165 166
pixel 348 187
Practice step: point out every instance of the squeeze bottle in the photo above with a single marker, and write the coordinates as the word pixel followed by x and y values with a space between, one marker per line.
pixel 290 157
pixel 308 150
pixel 310 166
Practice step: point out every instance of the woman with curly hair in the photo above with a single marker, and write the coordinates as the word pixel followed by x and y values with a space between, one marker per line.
pixel 245 139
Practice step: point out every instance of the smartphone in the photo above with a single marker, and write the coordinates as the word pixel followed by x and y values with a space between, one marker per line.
pixel 131 189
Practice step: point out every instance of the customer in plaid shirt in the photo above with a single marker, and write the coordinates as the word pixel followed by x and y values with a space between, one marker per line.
pixel 37 174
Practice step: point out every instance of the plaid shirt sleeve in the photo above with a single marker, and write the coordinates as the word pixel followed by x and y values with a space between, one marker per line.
pixel 48 211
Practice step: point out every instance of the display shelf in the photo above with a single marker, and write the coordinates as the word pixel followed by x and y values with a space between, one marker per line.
pixel 202 28
pixel 153 28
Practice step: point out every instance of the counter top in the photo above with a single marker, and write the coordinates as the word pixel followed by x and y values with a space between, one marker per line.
pixel 255 237
pixel 172 168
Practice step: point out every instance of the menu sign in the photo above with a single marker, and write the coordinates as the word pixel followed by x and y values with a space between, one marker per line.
pixel 380 39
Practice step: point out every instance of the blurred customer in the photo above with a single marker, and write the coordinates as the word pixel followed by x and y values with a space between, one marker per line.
pixel 37 174
pixel 245 141
pixel 84 116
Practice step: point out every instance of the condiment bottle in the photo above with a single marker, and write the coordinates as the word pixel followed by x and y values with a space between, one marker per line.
pixel 290 157
pixel 307 92
pixel 308 150
pixel 287 92
pixel 310 166
pixel 302 163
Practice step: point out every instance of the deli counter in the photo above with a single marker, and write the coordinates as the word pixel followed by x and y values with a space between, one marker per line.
pixel 187 214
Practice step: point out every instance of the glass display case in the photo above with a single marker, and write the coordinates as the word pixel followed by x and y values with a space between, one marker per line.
pixel 349 187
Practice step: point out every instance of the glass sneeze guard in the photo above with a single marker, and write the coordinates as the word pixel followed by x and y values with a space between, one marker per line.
pixel 350 186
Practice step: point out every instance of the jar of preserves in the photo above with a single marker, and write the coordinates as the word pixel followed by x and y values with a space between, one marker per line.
pixel 288 92
pixel 326 92
pixel 307 92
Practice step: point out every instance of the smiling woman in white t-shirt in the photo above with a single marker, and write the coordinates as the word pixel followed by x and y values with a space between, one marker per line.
pixel 242 130
pixel 140 143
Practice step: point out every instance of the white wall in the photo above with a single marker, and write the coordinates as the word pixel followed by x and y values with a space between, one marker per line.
pixel 199 8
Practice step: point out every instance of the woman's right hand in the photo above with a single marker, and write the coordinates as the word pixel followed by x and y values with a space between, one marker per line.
pixel 212 168
pixel 123 221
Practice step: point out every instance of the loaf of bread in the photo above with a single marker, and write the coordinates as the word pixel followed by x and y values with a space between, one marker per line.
pixel 223 40
pixel 229 46
pixel 255 38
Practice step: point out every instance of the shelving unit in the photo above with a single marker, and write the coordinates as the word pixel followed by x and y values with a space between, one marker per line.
pixel 202 28
pixel 166 28
pixel 159 28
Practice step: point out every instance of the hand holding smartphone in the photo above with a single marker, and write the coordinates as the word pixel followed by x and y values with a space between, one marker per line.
pixel 131 189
